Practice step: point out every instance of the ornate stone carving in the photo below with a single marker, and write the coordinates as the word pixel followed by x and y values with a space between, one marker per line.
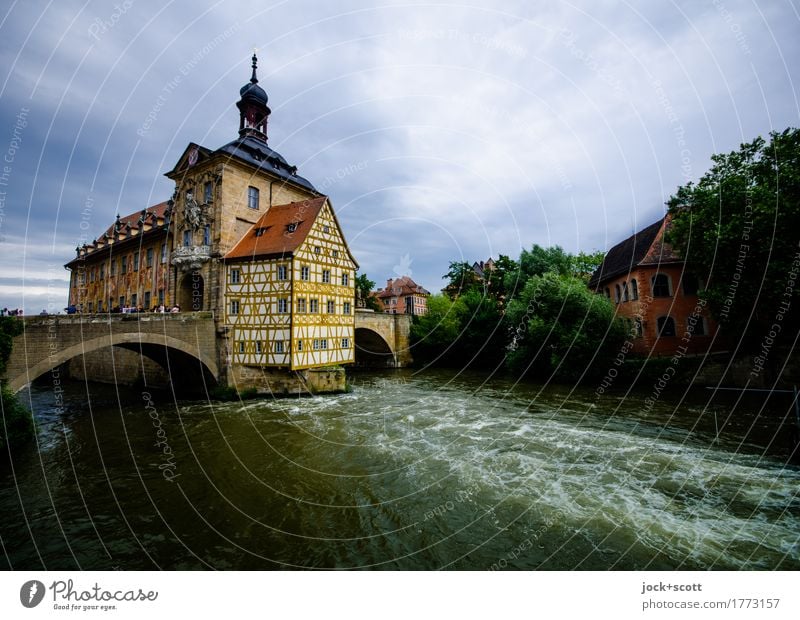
pixel 191 258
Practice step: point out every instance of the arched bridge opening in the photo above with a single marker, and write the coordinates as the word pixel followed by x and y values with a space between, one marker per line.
pixel 372 351
pixel 116 357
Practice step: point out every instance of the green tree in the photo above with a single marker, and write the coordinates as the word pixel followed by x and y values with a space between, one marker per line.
pixel 738 229
pixel 17 422
pixel 498 280
pixel 584 264
pixel 482 330
pixel 433 334
pixel 461 278
pixel 559 329
pixel 364 286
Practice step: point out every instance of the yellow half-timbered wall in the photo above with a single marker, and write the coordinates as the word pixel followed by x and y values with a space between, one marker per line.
pixel 297 312
pixel 258 308
pixel 321 337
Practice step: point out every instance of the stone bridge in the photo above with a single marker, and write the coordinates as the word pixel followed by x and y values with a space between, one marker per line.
pixel 184 346
pixel 382 340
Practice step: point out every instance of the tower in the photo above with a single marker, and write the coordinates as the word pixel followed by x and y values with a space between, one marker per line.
pixel 253 108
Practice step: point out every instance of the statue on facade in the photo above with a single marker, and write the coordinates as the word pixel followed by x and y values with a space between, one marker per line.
pixel 192 213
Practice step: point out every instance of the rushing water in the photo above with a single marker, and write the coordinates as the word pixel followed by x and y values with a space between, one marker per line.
pixel 408 471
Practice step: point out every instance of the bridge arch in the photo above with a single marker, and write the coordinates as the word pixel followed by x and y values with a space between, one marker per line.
pixel 163 349
pixel 372 349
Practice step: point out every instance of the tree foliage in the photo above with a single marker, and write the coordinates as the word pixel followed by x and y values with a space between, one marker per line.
pixel 738 228
pixel 561 330
pixel 17 422
pixel 364 287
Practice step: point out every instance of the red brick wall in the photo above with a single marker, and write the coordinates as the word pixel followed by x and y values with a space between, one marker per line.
pixel 649 308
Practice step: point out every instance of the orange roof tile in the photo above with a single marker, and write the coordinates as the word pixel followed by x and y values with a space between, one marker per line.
pixel 275 239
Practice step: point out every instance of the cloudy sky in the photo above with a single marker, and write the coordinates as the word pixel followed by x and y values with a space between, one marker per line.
pixel 443 131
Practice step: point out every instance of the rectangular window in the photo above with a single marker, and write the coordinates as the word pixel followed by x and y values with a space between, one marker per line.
pixel 304 273
pixel 331 307
pixel 326 276
pixel 258 346
pixel 279 346
pixel 207 235
pixel 326 229
pixel 121 302
pixel 161 297
pixel 112 268
pixel 149 257
pixel 136 261
pixel 234 306
pixel 235 275
pixel 147 297
pixel 345 343
pixel 99 306
pixel 345 279
pixel 317 250
pixel 299 345
pixel 314 306
pixel 323 343
pixel 91 276
pixel 163 253
pixel 241 346
pixel 346 308
pixel 281 272
pixel 207 192
pixel 335 253
pixel 123 264
pixel 283 305
pixel 134 300
pixel 252 197
pixel 301 305
pixel 316 344
pixel 187 238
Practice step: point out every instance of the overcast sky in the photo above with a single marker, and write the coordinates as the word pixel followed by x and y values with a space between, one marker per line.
pixel 446 131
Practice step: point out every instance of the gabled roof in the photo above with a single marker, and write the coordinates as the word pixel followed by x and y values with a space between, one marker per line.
pixel 401 286
pixel 133 219
pixel 646 247
pixel 275 238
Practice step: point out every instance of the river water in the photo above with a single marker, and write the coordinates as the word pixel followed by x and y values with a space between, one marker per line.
pixel 408 471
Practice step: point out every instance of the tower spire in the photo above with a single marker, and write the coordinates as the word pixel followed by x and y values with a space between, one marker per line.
pixel 253 108
pixel 254 79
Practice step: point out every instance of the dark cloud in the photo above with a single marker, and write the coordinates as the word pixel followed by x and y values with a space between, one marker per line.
pixel 441 132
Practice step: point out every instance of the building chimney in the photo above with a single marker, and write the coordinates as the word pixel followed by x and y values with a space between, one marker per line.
pixel 389 284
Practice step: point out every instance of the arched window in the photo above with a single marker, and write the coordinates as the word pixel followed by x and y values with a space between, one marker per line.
pixel 616 294
pixel 637 326
pixel 607 292
pixel 666 326
pixel 624 291
pixel 690 284
pixel 661 286
pixel 634 290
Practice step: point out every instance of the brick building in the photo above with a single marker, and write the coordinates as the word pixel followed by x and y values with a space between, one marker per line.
pixel 647 280
pixel 403 296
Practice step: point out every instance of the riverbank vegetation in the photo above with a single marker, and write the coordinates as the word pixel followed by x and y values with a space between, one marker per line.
pixel 17 427
pixel 533 316
pixel 738 228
